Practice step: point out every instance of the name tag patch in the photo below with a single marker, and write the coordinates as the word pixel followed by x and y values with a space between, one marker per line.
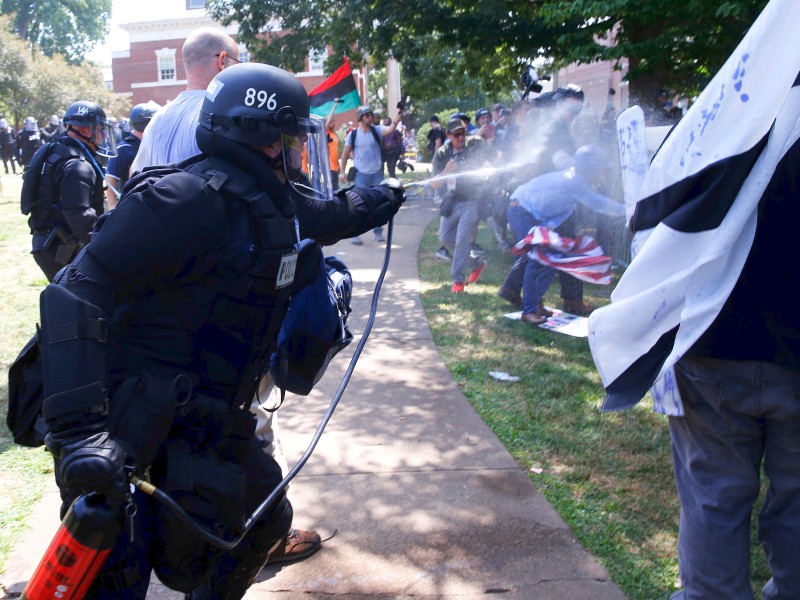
pixel 286 270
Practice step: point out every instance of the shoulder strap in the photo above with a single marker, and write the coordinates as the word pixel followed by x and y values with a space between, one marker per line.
pixel 375 134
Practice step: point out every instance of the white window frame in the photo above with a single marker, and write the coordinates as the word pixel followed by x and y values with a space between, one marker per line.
pixel 316 62
pixel 166 64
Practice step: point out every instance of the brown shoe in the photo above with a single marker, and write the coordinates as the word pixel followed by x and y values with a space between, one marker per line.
pixel 297 545
pixel 543 312
pixel 577 307
pixel 533 319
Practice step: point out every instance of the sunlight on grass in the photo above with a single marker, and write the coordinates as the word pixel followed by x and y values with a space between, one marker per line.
pixel 24 472
pixel 608 475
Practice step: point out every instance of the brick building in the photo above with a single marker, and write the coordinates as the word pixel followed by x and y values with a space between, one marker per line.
pixel 152 67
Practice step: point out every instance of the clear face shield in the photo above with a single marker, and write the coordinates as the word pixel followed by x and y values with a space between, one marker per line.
pixel 306 159
pixel 103 138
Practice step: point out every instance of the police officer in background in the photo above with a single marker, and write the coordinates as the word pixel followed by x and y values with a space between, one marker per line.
pixel 64 192
pixel 52 130
pixel 8 146
pixel 29 140
pixel 119 167
pixel 192 273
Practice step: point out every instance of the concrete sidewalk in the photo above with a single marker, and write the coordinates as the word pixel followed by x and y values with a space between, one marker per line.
pixel 419 496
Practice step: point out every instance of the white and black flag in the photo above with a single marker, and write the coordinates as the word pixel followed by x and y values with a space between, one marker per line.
pixel 700 198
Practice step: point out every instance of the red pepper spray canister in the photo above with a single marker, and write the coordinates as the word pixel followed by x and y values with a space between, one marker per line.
pixel 77 552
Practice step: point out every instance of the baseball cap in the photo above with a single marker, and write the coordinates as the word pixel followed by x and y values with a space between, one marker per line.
pixel 434 118
pixel 498 106
pixel 454 125
pixel 363 110
pixel 480 112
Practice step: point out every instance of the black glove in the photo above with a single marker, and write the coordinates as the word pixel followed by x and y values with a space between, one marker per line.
pixel 381 202
pixel 88 463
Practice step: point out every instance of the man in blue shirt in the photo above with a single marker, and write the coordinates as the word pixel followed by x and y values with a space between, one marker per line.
pixel 119 167
pixel 368 160
pixel 551 200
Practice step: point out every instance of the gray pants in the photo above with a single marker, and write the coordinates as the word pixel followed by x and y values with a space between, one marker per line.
pixel 738 415
pixel 456 233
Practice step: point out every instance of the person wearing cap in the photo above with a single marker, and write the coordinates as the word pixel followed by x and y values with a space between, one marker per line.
pixel 364 145
pixel 483 119
pixel 459 208
pixel 462 116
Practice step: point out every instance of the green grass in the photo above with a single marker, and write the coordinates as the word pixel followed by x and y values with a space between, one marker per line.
pixel 608 475
pixel 24 472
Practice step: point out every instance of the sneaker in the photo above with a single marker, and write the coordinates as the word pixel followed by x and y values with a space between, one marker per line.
pixel 295 546
pixel 457 288
pixel 356 241
pixel 379 237
pixel 476 273
pixel 476 250
pixel 443 254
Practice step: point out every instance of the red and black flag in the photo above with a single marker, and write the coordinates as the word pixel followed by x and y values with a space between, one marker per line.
pixel 340 85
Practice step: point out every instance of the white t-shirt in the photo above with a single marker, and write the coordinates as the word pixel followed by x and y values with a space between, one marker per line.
pixel 170 136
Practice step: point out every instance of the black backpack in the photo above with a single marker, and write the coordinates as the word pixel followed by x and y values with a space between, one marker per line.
pixel 39 190
pixel 375 134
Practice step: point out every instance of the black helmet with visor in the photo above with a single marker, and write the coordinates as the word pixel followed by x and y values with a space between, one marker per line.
pixel 257 105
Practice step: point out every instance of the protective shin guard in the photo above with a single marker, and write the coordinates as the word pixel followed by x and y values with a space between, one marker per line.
pixel 237 569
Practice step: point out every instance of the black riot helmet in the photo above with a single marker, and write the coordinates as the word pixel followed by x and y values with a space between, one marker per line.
pixel 257 105
pixel 141 114
pixel 84 113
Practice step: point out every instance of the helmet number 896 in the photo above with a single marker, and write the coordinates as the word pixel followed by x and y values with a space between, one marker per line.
pixel 260 97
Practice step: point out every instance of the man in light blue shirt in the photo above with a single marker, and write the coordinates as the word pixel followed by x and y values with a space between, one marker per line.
pixel 551 200
pixel 368 160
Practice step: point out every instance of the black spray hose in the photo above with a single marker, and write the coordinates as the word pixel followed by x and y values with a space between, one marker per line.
pixel 175 508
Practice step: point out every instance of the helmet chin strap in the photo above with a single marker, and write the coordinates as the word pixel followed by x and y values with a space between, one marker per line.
pixel 88 140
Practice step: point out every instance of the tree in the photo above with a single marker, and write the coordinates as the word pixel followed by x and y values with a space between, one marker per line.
pixel 668 43
pixel 40 86
pixel 68 27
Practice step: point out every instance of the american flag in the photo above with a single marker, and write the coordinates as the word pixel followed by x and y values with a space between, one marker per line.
pixel 581 257
pixel 700 198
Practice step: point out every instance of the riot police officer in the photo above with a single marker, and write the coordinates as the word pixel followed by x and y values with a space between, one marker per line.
pixel 29 140
pixel 191 274
pixel 8 144
pixel 63 193
pixel 52 130
pixel 119 167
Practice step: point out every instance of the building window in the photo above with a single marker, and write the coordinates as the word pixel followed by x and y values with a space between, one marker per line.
pixel 244 54
pixel 316 61
pixel 167 70
pixel 190 4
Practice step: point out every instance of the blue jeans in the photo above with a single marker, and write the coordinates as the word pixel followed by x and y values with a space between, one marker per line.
pixel 738 415
pixel 538 277
pixel 366 180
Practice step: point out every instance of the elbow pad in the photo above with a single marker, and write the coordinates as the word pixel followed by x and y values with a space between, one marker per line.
pixel 72 342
